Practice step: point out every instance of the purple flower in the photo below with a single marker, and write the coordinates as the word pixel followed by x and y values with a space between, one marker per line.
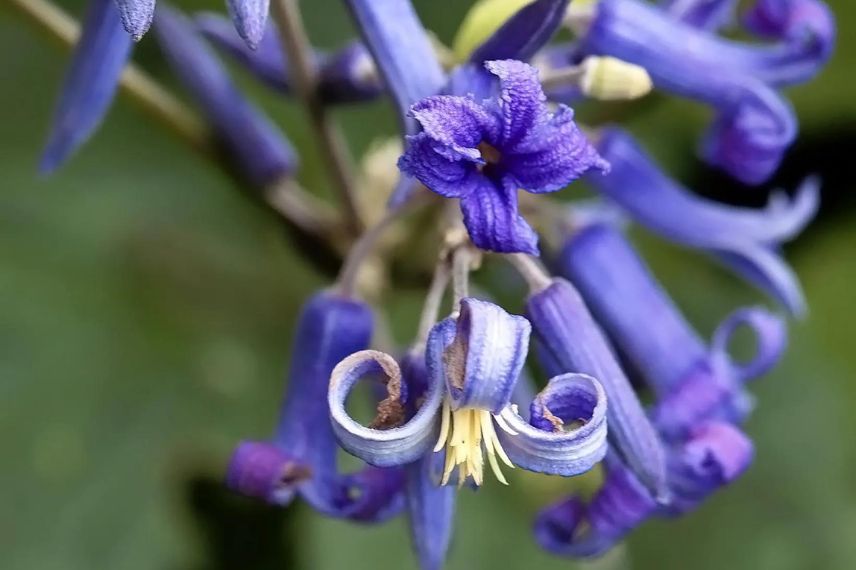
pixel 745 239
pixel 712 457
pixel 90 85
pixel 706 14
pixel 301 457
pixel 482 153
pixel 571 342
pixel 754 124
pixel 473 362
pixel 693 382
pixel 250 19
pixel 345 76
pixel 260 150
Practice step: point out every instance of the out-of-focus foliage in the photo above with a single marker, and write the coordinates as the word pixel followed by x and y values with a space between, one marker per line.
pixel 145 320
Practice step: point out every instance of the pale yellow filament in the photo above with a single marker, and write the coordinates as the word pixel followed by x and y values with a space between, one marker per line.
pixel 467 435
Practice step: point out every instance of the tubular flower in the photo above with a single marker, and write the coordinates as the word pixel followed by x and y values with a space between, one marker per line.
pixel 473 362
pixel 301 456
pixel 694 383
pixel 482 153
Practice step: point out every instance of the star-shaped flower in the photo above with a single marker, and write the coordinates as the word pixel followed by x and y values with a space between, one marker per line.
pixel 483 153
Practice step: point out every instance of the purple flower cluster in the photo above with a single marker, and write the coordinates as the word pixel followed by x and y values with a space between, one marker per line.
pixel 458 403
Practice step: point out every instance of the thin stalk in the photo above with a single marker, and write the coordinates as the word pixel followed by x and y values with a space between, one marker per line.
pixel 298 52
pixel 562 77
pixel 433 300
pixel 347 281
pixel 530 269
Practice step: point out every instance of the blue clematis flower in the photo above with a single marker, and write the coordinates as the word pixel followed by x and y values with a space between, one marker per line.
pixel 483 152
pixel 260 150
pixel 571 341
pixel 713 456
pixel 345 76
pixel 706 14
pixel 744 239
pixel 473 362
pixel 301 456
pixel 693 382
pixel 90 85
pixel 754 124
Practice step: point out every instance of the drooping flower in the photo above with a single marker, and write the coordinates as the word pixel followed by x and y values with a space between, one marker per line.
pixel 137 16
pixel 300 458
pixel 571 341
pixel 713 456
pixel 694 382
pixel 260 150
pixel 90 84
pixel 746 240
pixel 484 152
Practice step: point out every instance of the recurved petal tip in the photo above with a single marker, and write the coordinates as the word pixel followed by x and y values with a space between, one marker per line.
pixel 250 19
pixel 260 469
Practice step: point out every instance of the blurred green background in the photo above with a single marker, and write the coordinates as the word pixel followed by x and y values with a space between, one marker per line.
pixel 146 312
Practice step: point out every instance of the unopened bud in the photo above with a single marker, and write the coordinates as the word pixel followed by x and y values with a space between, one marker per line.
pixel 611 79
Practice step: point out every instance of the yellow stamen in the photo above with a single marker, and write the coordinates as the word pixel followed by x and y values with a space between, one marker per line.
pixel 467 435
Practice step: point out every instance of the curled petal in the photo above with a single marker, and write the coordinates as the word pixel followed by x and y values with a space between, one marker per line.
pixel 451 176
pixel 706 14
pixel 493 220
pixel 526 32
pixel 263 470
pixel 430 511
pixel 373 494
pixel 543 445
pixel 765 268
pixel 90 84
pixel 553 155
pixel 771 340
pixel 484 361
pixel 397 445
pixel 137 16
pixel 260 150
pixel 707 391
pixel 658 202
pixel 521 100
pixel 250 18
pixel 458 123
pixel 575 343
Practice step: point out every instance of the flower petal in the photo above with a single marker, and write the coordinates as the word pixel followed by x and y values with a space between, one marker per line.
pixel 430 510
pixel 658 202
pixel 526 32
pixel 541 445
pixel 263 470
pixel 493 221
pixel 456 122
pixel 90 84
pixel 570 335
pixel 484 361
pixel 705 14
pixel 521 100
pixel 250 19
pixel 440 169
pixel 553 155
pixel 771 339
pixel 397 445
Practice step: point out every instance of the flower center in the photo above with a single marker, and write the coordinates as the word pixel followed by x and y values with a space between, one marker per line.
pixel 489 153
pixel 468 434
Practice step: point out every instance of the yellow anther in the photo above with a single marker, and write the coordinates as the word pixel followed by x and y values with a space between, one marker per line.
pixel 611 79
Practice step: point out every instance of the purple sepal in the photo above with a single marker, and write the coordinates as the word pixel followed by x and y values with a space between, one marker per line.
pixel 483 152
pixel 430 510
pixel 742 238
pixel 801 22
pixel 401 49
pixel 258 148
pixel 575 343
pixel 484 361
pixel 754 124
pixel 344 76
pixel 136 16
pixel 526 32
pixel 771 340
pixel 250 19
pixel 705 14
pixel 263 470
pixel 90 83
